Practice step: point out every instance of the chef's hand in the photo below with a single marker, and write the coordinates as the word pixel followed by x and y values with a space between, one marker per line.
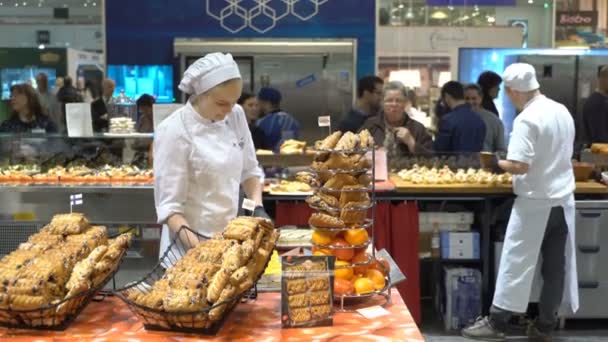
pixel 188 238
pixel 489 162
pixel 404 135
pixel 259 211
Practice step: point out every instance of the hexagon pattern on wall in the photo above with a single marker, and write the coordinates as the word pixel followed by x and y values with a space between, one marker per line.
pixel 259 15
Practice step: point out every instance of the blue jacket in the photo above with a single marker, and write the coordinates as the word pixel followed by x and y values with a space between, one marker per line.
pixel 277 127
pixel 461 130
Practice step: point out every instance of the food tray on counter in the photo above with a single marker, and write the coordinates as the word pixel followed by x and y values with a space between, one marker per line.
pixel 181 321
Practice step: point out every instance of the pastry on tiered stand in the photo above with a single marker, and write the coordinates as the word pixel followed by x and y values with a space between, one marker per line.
pixel 343 199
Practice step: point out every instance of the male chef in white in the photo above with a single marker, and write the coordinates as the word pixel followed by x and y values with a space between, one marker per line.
pixel 542 219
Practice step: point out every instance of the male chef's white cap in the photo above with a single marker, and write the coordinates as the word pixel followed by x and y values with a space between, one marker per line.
pixel 520 77
pixel 209 71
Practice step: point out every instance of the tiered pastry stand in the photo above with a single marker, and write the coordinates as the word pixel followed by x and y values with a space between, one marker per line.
pixel 352 302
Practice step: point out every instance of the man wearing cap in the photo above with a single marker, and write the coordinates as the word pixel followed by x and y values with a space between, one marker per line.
pixel 203 153
pixel 276 124
pixel 542 219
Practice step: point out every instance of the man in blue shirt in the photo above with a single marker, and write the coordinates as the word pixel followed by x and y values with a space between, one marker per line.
pixel 369 101
pixel 460 130
pixel 276 124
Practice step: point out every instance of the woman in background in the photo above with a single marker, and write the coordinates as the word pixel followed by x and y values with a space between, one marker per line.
pixel 27 114
pixel 490 85
pixel 249 102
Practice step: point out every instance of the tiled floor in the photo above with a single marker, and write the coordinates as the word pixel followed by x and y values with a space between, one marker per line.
pixel 575 331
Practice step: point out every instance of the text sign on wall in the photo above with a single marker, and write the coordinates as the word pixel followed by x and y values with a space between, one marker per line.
pixel 471 2
pixel 577 18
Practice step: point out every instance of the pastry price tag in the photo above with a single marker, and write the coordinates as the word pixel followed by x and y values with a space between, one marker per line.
pixel 324 121
pixel 248 204
pixel 373 312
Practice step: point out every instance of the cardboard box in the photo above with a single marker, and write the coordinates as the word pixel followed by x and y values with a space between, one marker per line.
pixel 461 297
pixel 441 217
pixel 460 245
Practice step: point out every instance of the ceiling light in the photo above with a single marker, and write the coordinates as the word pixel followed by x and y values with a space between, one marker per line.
pixel 408 77
pixel 41 46
pixel 451 8
pixel 439 15
pixel 94 4
pixel 401 5
pixel 530 1
pixel 24 3
pixel 491 19
pixel 85 4
pixel 409 14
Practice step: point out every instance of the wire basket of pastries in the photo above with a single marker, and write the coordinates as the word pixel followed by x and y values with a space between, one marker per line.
pixel 52 276
pixel 343 225
pixel 197 283
pixel 444 175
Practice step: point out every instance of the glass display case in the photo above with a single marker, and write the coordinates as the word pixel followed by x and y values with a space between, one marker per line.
pixel 39 172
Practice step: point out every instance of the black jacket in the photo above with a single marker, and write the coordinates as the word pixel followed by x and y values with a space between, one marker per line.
pixel 595 118
pixel 98 109
pixel 352 121
pixel 487 103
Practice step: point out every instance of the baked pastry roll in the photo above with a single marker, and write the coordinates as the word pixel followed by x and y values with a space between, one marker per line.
pixel 366 139
pixel 296 286
pixel 68 224
pixel 228 293
pixel 339 181
pixel 348 141
pixel 320 220
pixel 317 283
pixel 330 141
pixel 248 248
pixel 351 213
pixel 239 276
pixel 24 302
pixel 353 196
pixel 232 259
pixel 184 300
pixel 337 161
pixel 219 281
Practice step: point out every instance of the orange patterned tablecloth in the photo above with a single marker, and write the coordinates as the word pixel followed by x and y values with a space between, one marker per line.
pixel 258 321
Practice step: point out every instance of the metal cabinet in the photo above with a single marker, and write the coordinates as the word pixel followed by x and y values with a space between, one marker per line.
pixel 591 250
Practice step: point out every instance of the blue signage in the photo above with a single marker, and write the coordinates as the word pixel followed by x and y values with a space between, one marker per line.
pixel 140 32
pixel 471 2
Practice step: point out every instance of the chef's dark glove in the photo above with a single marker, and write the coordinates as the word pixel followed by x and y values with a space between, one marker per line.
pixel 490 163
pixel 259 211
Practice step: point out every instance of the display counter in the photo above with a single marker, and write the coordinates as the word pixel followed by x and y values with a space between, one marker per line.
pixel 258 320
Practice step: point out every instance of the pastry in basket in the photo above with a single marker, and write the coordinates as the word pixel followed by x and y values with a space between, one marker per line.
pixel 291 186
pixel 360 162
pixel 216 312
pixel 233 258
pixel 80 279
pixel 248 247
pixel 366 139
pixel 322 201
pixel 68 224
pixel 348 141
pixel 219 281
pixel 292 146
pixel 350 194
pixel 24 302
pixel 365 180
pixel 352 212
pixel 241 231
pixel 184 301
pixel 337 161
pixel 239 276
pixel 320 220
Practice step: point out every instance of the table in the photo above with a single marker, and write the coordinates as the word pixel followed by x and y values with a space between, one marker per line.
pixel 111 320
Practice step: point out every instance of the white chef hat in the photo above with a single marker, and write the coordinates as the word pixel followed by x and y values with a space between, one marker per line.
pixel 209 71
pixel 520 77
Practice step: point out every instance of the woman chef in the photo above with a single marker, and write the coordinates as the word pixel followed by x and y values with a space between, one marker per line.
pixel 542 219
pixel 203 152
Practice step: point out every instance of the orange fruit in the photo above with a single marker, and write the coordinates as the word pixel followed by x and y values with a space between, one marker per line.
pixel 381 265
pixel 342 253
pixel 321 251
pixel 322 237
pixel 343 273
pixel 343 286
pixel 356 237
pixel 376 277
pixel 360 258
pixel 364 285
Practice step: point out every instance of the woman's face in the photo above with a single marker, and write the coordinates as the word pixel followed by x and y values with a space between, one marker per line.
pixel 18 101
pixel 250 106
pixel 217 103
pixel 394 105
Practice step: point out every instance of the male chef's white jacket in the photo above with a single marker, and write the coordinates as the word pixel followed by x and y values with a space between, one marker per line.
pixel 543 136
pixel 199 165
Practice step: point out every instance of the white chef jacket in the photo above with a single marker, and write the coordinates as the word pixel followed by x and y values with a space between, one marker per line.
pixel 543 135
pixel 199 165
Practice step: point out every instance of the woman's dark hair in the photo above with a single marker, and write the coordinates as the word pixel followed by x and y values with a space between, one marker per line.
pixel 93 88
pixel 488 80
pixel 145 100
pixel 33 104
pixel 244 97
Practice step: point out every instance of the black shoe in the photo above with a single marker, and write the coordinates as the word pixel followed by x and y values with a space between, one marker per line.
pixel 537 334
